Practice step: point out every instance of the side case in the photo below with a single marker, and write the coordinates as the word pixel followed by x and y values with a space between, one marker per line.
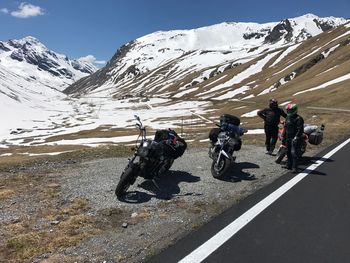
pixel 316 138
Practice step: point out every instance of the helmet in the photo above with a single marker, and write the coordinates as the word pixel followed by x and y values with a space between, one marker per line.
pixel 292 109
pixel 273 104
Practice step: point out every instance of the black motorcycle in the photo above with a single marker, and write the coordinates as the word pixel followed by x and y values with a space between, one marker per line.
pixel 225 140
pixel 152 158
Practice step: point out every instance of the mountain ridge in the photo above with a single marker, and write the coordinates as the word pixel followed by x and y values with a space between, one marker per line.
pixel 228 41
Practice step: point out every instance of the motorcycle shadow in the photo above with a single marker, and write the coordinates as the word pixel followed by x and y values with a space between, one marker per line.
pixel 236 173
pixel 164 188
pixel 305 161
pixel 313 159
pixel 308 160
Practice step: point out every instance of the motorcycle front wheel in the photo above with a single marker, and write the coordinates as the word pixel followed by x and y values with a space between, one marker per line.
pixel 127 178
pixel 219 169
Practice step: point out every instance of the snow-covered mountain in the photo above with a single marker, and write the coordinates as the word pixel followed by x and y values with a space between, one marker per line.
pixel 30 60
pixel 32 78
pixel 153 63
pixel 183 78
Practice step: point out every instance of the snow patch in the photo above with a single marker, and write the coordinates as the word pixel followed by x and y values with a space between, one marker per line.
pixel 325 85
pixel 251 114
pixel 233 93
pixel 256 131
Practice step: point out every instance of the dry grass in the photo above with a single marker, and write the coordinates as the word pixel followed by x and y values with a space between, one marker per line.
pixel 6 193
pixel 25 241
pixel 78 153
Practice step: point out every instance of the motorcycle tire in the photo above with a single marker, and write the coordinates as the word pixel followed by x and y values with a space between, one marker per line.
pixel 281 153
pixel 127 178
pixel 220 170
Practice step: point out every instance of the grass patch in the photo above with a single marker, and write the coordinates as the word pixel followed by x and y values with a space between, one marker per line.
pixel 25 246
pixel 6 193
pixel 19 161
pixel 35 235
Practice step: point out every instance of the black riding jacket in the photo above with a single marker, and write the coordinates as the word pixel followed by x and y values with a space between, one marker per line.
pixel 271 116
pixel 294 127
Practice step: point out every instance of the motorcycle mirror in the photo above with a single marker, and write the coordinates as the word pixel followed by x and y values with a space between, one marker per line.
pixel 137 117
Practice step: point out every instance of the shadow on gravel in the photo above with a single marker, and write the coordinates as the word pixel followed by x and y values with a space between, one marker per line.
pixel 166 187
pixel 236 173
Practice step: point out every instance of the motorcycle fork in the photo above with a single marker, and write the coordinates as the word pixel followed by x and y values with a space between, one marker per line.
pixel 222 152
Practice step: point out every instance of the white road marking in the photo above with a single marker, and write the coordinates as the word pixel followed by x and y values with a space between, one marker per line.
pixel 202 252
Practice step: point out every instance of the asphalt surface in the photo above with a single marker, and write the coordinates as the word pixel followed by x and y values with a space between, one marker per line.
pixel 308 223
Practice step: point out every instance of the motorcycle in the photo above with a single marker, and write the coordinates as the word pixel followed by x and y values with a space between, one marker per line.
pixel 152 158
pixel 225 140
pixel 313 134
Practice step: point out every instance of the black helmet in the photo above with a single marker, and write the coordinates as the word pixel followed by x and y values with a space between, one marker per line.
pixel 273 104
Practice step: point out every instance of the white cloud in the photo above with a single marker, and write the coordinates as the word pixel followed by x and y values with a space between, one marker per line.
pixel 26 10
pixel 91 59
pixel 4 10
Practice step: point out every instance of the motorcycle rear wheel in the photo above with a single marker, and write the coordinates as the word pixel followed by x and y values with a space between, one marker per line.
pixel 127 178
pixel 219 170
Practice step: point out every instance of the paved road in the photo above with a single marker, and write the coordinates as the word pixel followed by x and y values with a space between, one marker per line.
pixel 298 218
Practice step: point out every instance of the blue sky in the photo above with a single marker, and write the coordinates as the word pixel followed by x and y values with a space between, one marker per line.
pixel 79 28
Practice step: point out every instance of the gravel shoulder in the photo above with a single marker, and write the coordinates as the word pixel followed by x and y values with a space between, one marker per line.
pixel 77 201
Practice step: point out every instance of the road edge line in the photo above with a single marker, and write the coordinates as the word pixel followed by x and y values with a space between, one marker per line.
pixel 212 244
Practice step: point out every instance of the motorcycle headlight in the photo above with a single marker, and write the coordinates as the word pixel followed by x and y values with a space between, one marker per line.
pixel 145 144
pixel 222 136
pixel 143 152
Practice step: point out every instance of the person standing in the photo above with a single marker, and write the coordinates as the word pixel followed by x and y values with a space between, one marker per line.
pixel 271 117
pixel 293 135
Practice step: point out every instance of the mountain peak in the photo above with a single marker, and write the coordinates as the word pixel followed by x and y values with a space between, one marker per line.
pixel 309 15
pixel 30 39
pixel 31 57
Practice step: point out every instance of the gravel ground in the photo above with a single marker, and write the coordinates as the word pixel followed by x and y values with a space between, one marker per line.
pixel 152 219
pixel 190 197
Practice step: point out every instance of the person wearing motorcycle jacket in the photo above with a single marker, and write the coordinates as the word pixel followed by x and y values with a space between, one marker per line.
pixel 271 117
pixel 293 132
